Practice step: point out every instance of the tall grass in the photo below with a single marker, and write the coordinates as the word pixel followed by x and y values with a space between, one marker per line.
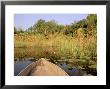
pixel 56 46
pixel 80 49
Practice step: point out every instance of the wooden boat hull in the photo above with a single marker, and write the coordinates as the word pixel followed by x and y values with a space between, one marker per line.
pixel 42 67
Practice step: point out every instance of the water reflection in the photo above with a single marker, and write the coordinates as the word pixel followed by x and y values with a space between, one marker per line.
pixel 19 65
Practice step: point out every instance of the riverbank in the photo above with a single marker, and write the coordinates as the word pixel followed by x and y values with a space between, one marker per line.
pixel 57 46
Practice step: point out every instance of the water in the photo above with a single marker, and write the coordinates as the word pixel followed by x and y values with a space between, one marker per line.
pixel 73 71
pixel 19 65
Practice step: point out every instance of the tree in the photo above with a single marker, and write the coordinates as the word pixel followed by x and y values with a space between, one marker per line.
pixel 15 30
pixel 92 23
pixel 39 26
pixel 51 26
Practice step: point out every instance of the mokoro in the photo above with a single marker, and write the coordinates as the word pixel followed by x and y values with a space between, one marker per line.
pixel 42 67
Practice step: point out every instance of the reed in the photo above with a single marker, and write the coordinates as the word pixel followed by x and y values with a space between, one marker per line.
pixel 56 46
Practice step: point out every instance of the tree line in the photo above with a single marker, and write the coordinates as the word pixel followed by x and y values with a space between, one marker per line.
pixel 50 27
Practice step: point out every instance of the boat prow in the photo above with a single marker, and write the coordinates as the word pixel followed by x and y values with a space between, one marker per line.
pixel 42 67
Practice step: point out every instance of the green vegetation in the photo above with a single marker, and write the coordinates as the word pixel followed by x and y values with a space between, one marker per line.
pixel 76 42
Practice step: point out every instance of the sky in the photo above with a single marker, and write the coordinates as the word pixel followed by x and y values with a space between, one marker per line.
pixel 25 21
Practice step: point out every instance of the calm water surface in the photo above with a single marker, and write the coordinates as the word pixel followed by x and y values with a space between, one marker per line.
pixel 19 65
